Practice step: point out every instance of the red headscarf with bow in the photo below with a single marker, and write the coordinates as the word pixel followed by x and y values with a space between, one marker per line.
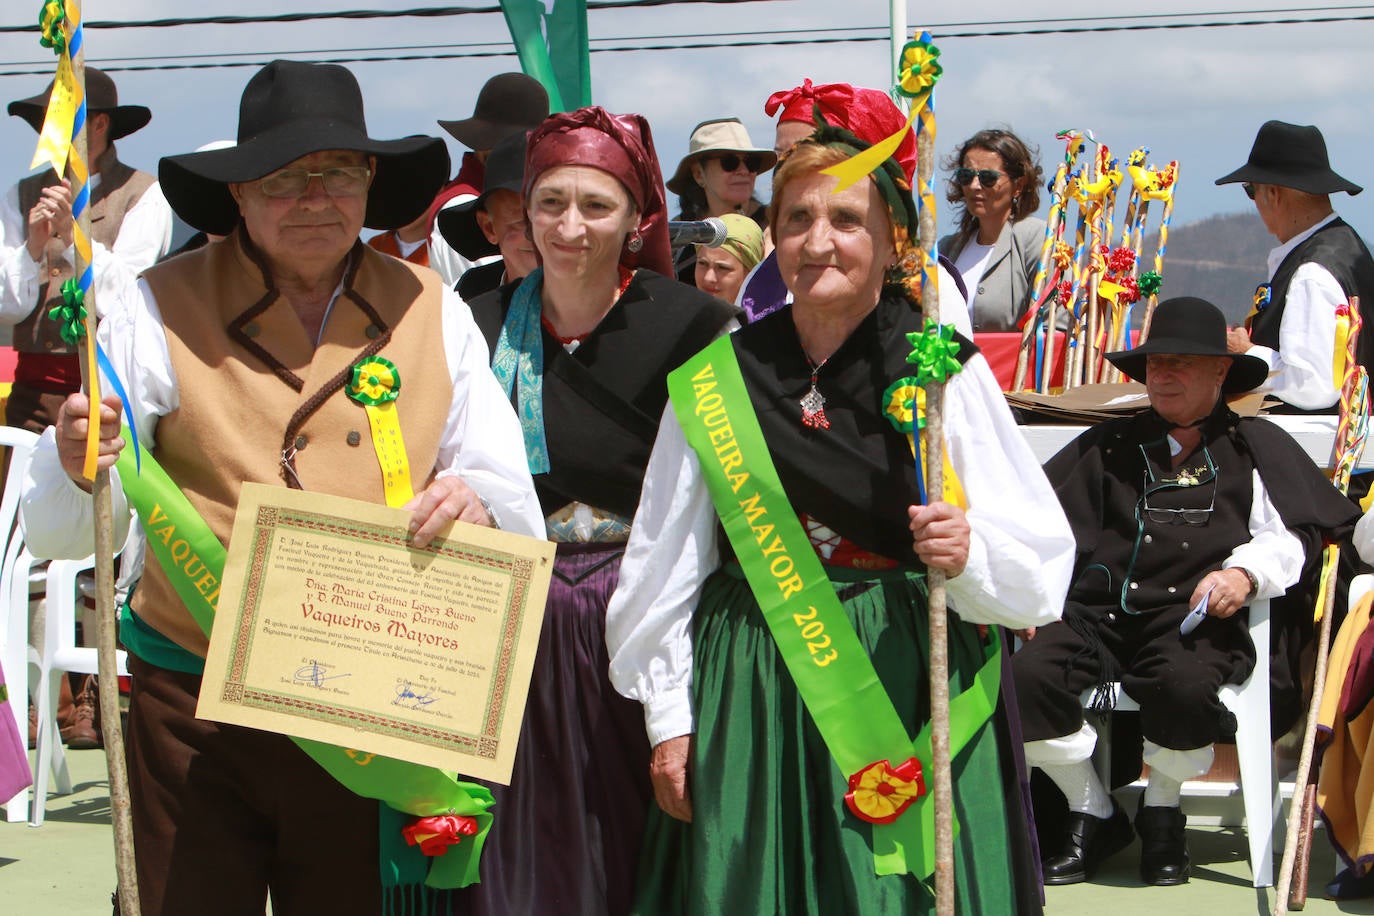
pixel 867 113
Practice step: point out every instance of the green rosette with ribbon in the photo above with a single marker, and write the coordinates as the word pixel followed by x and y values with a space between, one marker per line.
pixel 50 19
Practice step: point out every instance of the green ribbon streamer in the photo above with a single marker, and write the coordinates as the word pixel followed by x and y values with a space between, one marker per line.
pixel 834 675
pixel 50 18
pixel 71 315
pixel 934 352
pixel 193 559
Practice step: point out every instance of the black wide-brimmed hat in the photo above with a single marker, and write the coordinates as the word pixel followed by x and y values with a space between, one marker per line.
pixel 507 104
pixel 1291 156
pixel 101 98
pixel 291 109
pixel 1188 326
pixel 505 172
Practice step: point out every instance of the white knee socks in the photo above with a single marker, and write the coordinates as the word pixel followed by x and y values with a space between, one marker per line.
pixel 1169 769
pixel 1067 761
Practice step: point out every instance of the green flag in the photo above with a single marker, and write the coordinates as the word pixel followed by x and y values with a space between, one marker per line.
pixel 551 38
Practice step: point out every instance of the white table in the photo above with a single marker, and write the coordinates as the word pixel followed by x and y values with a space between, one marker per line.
pixel 1314 433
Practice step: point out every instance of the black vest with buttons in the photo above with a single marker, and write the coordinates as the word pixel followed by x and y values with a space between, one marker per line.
pixel 1132 562
pixel 1337 248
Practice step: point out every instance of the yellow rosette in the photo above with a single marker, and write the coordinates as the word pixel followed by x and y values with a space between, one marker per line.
pixel 376 383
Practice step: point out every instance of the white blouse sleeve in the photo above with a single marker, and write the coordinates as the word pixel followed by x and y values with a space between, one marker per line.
pixel 482 442
pixel 56 513
pixel 672 549
pixel 1274 555
pixel 1021 551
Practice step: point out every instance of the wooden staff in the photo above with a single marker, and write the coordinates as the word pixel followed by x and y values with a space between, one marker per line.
pixel 1346 453
pixel 107 658
pixel 935 578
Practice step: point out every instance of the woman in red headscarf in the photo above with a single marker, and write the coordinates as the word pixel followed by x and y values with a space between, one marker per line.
pixel 583 346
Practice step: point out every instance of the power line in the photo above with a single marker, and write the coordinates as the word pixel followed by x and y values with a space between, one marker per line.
pixel 436 12
pixel 507 51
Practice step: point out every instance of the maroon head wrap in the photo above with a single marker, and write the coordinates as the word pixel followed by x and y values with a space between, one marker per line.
pixel 619 145
pixel 866 113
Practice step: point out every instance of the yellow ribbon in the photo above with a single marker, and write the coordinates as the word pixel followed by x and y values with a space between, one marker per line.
pixel 1338 357
pixel 376 384
pixel 55 139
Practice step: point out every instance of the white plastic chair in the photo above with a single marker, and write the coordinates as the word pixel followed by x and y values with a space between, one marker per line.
pixel 16 564
pixel 1259 786
pixel 61 654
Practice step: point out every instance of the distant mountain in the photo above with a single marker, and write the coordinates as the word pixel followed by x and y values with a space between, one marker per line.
pixel 1221 259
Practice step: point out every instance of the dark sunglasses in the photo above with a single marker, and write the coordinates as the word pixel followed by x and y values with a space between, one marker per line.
pixel 1249 190
pixel 731 161
pixel 986 177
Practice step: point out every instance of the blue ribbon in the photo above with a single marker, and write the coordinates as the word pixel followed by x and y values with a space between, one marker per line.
pixel 520 355
pixel 108 369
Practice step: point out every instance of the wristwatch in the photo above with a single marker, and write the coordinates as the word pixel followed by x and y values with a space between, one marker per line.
pixel 1254 583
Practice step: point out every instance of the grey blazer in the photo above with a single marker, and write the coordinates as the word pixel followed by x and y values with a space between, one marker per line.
pixel 1004 290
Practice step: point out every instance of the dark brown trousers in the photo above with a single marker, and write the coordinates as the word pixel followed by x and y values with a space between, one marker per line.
pixel 225 815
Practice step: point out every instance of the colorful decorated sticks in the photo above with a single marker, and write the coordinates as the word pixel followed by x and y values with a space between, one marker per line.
pixel 1089 289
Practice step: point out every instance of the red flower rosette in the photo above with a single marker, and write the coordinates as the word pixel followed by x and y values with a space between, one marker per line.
pixel 880 792
pixel 434 835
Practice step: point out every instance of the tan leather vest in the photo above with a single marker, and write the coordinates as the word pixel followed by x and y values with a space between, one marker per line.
pixel 252 387
pixel 119 189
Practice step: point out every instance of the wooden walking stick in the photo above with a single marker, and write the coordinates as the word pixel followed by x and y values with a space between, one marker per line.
pixel 62 143
pixel 934 467
pixel 1350 440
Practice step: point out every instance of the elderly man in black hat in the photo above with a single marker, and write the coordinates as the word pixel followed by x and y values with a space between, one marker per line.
pixel 1320 264
pixel 241 360
pixel 1185 506
pixel 493 223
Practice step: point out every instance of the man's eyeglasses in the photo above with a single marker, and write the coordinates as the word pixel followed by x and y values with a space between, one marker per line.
pixel 731 161
pixel 1249 190
pixel 343 181
pixel 986 177
pixel 1184 480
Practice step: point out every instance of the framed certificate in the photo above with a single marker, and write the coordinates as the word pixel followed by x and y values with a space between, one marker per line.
pixel 332 626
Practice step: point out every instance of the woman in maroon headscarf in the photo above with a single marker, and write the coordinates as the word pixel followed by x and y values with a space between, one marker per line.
pixel 584 345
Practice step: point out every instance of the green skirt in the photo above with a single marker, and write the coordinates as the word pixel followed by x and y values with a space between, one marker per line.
pixel 770 830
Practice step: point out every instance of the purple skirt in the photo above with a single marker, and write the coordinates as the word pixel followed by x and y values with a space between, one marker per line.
pixel 567 830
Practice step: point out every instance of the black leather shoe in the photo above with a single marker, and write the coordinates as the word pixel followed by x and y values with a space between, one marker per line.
pixel 1091 841
pixel 1163 846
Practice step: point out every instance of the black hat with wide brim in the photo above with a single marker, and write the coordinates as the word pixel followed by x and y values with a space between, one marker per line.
pixel 508 103
pixel 505 172
pixel 101 98
pixel 289 110
pixel 1291 156
pixel 1188 326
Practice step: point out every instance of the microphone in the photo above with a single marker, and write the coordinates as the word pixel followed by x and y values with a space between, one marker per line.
pixel 710 232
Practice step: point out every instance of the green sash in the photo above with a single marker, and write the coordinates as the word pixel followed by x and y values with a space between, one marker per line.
pixel 834 675
pixel 193 559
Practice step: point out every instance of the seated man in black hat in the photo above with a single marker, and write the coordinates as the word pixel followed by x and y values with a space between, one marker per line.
pixel 1183 506
pixel 1319 265
pixel 244 361
pixel 131 227
pixel 493 223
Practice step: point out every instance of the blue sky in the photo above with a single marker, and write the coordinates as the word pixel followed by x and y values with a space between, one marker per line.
pixel 1197 96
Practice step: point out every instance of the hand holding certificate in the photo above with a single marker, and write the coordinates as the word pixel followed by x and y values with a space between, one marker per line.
pixel 332 626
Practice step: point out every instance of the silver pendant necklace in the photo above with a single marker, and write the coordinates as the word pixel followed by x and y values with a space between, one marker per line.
pixel 813 402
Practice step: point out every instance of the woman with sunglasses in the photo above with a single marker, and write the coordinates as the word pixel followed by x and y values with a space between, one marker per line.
pixel 995 188
pixel 717 177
